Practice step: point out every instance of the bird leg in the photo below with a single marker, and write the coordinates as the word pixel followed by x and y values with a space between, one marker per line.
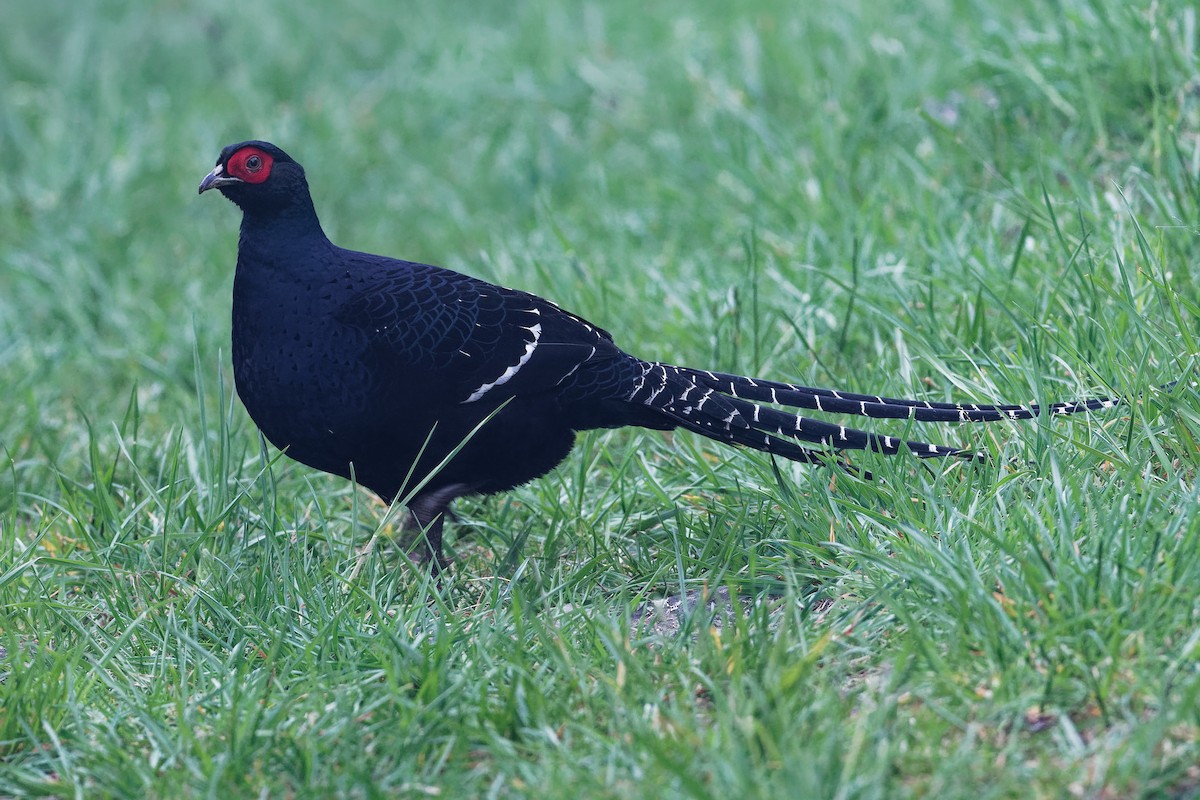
pixel 427 514
pixel 423 540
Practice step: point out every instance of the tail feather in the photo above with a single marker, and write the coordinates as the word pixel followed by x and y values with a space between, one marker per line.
pixel 757 440
pixel 837 402
pixel 832 435
pixel 710 404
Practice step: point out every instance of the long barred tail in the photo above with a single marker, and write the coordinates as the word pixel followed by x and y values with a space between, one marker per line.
pixel 727 408
pixel 869 405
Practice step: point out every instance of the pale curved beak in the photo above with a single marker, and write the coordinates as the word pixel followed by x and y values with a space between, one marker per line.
pixel 216 179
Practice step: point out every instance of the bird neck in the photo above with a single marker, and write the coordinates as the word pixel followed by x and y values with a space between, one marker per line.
pixel 295 218
pixel 286 239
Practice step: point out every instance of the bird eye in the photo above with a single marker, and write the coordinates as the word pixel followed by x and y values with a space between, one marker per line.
pixel 250 165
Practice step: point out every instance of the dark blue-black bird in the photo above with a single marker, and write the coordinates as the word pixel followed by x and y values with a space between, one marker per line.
pixel 424 384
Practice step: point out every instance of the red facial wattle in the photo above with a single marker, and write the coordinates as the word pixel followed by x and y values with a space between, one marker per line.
pixel 250 164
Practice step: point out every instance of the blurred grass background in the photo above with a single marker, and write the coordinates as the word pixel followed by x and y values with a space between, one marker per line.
pixel 959 200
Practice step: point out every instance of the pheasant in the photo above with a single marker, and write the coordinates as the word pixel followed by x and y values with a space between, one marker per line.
pixel 426 385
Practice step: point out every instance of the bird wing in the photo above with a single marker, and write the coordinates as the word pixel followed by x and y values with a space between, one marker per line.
pixel 481 340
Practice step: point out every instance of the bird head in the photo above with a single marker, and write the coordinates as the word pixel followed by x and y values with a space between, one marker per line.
pixel 257 176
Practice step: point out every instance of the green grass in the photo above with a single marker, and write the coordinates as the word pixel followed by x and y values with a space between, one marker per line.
pixel 971 200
